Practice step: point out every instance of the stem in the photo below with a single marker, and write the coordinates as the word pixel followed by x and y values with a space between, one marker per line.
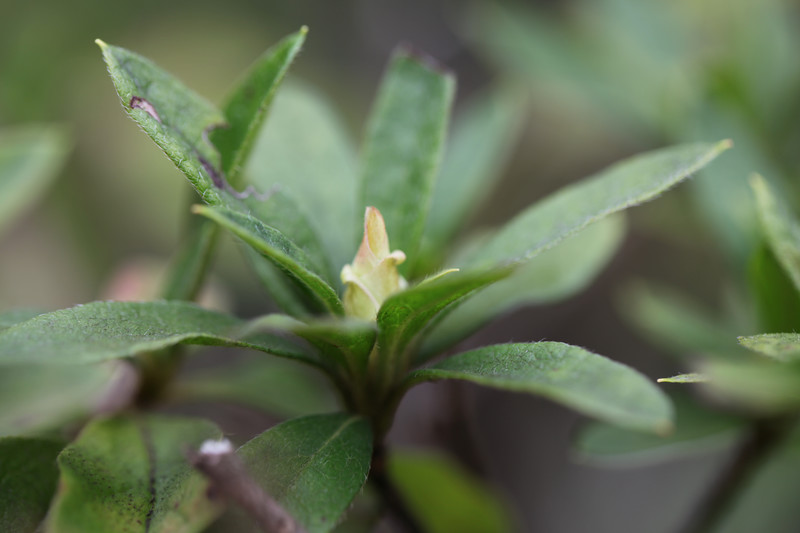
pixel 766 435
pixel 389 493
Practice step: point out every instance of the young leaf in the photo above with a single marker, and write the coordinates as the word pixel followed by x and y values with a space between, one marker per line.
pixel 282 252
pixel 249 103
pixel 28 477
pixel 482 139
pixel 572 376
pixel 29 159
pixel 408 313
pixel 129 474
pixel 781 228
pixel 446 498
pixel 697 430
pixel 177 119
pixel 553 275
pixel 403 145
pixel 780 346
pixel 110 330
pixel 693 377
pixel 574 207
pixel 313 466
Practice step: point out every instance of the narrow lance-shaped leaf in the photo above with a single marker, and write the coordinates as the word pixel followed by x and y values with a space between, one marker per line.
pixel 306 152
pixel 100 331
pixel 692 377
pixel 177 119
pixel 780 346
pixel 574 207
pixel 444 497
pixel 282 252
pixel 403 146
pixel 484 134
pixel 313 466
pixel 247 106
pixel 781 228
pixel 697 430
pixel 408 313
pixel 28 478
pixel 589 383
pixel 553 275
pixel 128 474
pixel 30 158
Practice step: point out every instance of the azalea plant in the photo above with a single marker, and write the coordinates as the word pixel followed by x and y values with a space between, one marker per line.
pixel 376 308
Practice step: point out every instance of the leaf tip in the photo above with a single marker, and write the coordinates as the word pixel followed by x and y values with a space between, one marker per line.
pixel 303 30
pixel 725 144
pixel 198 209
pixel 101 43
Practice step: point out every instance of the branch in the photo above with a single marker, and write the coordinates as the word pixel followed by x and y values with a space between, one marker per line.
pixel 228 475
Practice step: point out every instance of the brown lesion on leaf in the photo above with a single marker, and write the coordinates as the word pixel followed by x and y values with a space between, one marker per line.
pixel 137 102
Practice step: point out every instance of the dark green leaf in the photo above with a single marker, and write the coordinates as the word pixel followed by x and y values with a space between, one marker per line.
pixel 177 119
pixel 584 381
pixel 36 399
pixel 780 346
pixel 249 103
pixel 775 297
pixel 188 268
pixel 129 474
pixel 29 159
pixel 305 152
pixel 109 330
pixel 781 228
pixel 273 385
pixel 631 182
pixel 405 315
pixel 403 146
pixel 273 245
pixel 483 136
pixel 313 466
pixel 697 430
pixel 347 342
pixel 553 275
pixel 28 477
pixel 446 498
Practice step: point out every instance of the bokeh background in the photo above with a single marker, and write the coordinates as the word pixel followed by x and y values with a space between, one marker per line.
pixel 601 80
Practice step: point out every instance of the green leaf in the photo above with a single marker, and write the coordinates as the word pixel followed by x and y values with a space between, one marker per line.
pixel 28 477
pixel 247 106
pixel 15 316
pixel 780 346
pixel 697 430
pixel 672 320
pixel 553 275
pixel 282 252
pixel 177 119
pixel 37 399
pixel 313 466
pixel 781 228
pixel 589 383
pixel 483 137
pixel 129 474
pixel 347 342
pixel 775 297
pixel 631 182
pixel 306 152
pixel 277 386
pixel 768 500
pixel 30 158
pixel 110 330
pixel 403 146
pixel 444 497
pixel 189 266
pixel 692 377
pixel 761 386
pixel 407 314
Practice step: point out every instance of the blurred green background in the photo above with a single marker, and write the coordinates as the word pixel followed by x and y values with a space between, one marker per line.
pixel 603 79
